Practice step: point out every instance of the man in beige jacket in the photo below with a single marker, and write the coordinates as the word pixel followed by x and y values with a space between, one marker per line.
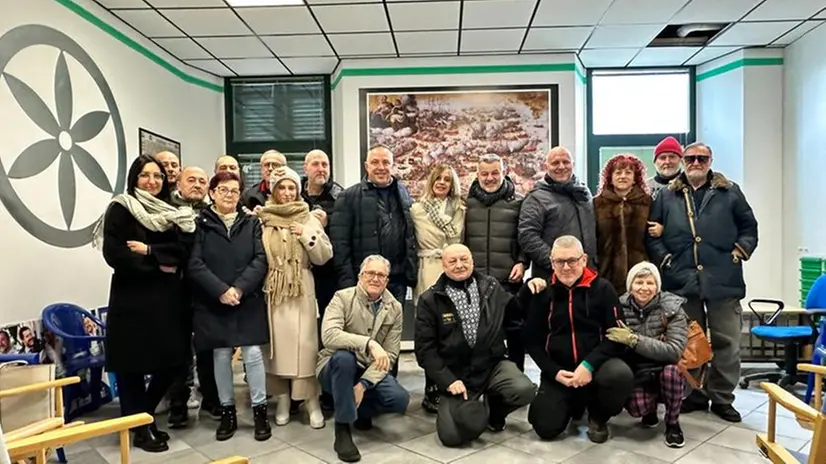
pixel 361 332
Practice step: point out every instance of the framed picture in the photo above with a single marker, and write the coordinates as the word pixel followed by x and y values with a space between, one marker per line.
pixel 457 125
pixel 152 143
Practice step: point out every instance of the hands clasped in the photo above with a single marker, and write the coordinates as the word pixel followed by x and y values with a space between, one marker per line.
pixel 232 297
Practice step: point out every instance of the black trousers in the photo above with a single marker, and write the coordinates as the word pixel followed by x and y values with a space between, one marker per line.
pixel 555 404
pixel 136 396
pixel 180 389
pixel 516 348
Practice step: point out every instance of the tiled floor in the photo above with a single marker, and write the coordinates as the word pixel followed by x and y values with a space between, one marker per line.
pixel 411 439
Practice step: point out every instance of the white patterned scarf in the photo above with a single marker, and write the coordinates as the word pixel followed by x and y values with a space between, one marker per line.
pixel 440 212
pixel 151 212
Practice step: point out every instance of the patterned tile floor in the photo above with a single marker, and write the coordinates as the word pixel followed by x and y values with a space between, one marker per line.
pixel 411 438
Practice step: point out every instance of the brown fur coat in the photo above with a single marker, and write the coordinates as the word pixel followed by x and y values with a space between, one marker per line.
pixel 622 224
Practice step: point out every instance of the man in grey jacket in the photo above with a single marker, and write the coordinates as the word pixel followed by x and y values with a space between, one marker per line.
pixel 667 155
pixel 560 204
pixel 361 333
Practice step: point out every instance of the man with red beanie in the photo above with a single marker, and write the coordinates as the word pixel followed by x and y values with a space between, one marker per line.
pixel 667 156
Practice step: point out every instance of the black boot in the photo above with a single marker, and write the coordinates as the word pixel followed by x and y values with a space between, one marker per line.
pixel 162 436
pixel 228 425
pixel 262 424
pixel 344 447
pixel 144 439
pixel 178 417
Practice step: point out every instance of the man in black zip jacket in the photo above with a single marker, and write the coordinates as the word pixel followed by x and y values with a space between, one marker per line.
pixel 460 343
pixel 565 335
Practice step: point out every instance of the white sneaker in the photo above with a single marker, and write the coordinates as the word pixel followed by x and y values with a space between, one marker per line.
pixel 314 411
pixel 282 410
pixel 193 402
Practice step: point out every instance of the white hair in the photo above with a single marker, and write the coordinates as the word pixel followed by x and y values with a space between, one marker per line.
pixel 489 158
pixel 567 241
pixel 372 258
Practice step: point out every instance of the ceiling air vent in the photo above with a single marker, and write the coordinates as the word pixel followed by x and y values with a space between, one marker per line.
pixel 687 35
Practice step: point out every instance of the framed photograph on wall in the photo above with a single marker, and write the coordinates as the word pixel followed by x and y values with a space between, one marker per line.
pixel 457 125
pixel 152 143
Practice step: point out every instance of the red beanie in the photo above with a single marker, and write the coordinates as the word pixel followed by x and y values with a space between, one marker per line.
pixel 668 145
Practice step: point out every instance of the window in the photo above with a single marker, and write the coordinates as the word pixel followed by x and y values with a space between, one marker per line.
pixel 641 102
pixel 289 114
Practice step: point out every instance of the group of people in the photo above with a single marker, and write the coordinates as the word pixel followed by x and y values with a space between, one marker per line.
pixel 309 280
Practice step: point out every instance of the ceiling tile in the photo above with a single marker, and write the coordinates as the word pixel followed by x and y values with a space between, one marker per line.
pixel 149 23
pixel 785 9
pixel 186 3
pixel 424 16
pixel 311 65
pixel 496 13
pixel 110 4
pixel 351 18
pixel 642 11
pixel 333 2
pixel 570 13
pixel 183 49
pixel 753 33
pixel 623 36
pixel 235 47
pixel 427 42
pixel 280 20
pixel 377 43
pixel 207 22
pixel 710 53
pixel 798 32
pixel 607 58
pixel 492 40
pixel 663 56
pixel 256 67
pixel 299 45
pixel 211 66
pixel 556 38
pixel 713 11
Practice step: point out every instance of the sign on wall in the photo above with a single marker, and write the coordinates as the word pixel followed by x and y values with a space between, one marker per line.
pixel 152 143
pixel 58 133
pixel 426 126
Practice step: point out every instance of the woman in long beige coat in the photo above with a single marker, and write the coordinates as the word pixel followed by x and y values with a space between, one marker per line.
pixel 294 240
pixel 439 220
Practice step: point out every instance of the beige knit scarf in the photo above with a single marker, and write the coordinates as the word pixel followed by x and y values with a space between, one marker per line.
pixel 284 251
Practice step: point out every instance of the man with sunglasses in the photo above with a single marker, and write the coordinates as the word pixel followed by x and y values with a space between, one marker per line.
pixel 709 230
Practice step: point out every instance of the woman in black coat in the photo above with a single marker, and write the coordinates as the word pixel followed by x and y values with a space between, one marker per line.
pixel 227 267
pixel 142 242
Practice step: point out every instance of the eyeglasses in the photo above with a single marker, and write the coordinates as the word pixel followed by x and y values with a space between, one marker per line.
pixel 272 165
pixel 571 262
pixel 226 192
pixel 151 175
pixel 699 159
pixel 372 275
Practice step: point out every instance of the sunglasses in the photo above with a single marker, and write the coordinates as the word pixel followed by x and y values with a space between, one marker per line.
pixel 691 159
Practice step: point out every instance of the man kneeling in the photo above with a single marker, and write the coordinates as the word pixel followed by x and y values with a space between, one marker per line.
pixel 565 334
pixel 361 332
pixel 460 343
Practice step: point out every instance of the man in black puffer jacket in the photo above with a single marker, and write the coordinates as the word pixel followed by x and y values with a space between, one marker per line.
pixel 491 224
pixel 559 205
pixel 373 218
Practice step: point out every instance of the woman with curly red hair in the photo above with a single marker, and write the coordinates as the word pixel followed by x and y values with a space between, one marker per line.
pixel 621 207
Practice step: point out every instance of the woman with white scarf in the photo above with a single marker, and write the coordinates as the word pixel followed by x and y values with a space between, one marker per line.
pixel 439 219
pixel 294 240
pixel 143 242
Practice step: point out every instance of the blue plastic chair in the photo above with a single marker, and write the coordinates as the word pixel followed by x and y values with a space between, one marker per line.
pixel 65 320
pixel 816 299
pixel 792 337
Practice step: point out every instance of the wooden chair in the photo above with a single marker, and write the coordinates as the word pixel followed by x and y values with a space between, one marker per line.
pixel 808 417
pixel 232 460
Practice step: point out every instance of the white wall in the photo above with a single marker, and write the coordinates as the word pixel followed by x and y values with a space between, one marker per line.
pixel 804 155
pixel 346 124
pixel 720 116
pixel 146 95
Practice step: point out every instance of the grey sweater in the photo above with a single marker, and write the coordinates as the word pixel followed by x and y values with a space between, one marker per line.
pixel 648 323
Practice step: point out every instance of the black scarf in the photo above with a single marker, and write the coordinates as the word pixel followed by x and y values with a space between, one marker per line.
pixel 505 190
pixel 660 179
pixel 573 188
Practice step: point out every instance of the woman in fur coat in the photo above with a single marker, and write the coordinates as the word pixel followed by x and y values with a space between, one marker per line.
pixel 621 206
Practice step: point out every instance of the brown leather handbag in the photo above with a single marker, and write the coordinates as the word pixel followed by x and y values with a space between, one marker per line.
pixel 696 355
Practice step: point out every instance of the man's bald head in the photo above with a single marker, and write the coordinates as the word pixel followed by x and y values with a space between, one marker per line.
pixel 560 164
pixel 171 165
pixel 317 169
pixel 227 163
pixel 457 262
pixel 379 166
pixel 271 161
pixel 193 184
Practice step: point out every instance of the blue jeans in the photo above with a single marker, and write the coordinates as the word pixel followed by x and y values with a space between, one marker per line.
pixel 339 376
pixel 254 367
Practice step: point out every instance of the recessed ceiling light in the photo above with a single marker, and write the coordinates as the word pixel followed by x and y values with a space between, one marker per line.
pixel 264 2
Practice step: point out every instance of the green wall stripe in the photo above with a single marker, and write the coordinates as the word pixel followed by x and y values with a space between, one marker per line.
pixel 123 38
pixel 739 64
pixel 430 70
